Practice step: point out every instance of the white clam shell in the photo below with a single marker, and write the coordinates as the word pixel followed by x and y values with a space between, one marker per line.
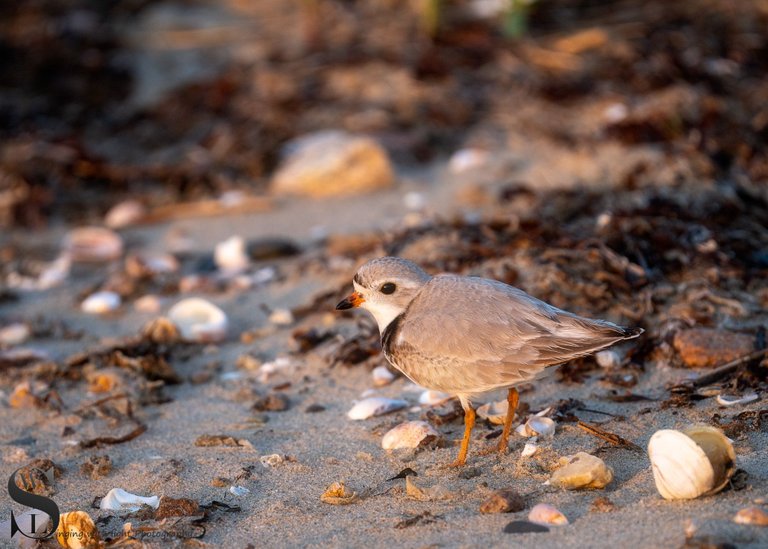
pixel 382 376
pixel 199 320
pixel 118 499
pixel 231 255
pixel 537 426
pixel 410 434
pixel 495 412
pixel 548 515
pixel 100 303
pixel 375 406
pixel 93 244
pixel 689 464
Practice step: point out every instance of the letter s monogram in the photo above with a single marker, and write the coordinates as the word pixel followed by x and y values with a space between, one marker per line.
pixel 34 501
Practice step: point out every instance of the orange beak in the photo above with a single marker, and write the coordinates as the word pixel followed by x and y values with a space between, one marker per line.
pixel 355 299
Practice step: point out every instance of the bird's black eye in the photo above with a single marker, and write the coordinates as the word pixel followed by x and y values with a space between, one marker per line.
pixel 388 288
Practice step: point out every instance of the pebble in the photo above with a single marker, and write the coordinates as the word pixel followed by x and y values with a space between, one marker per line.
pixel 239 491
pixel 546 514
pixel 707 347
pixel 101 303
pixel 503 501
pixel 382 376
pixel 338 494
pixel 275 402
pixel 125 213
pixel 14 334
pixel 281 317
pixel 581 470
pixel 751 515
pixel 93 244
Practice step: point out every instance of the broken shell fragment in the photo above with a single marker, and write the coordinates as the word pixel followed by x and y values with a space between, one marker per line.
pixel 375 406
pixel 433 398
pixel 231 256
pixel 688 464
pixel 93 244
pixel 118 499
pixel 495 412
pixel 199 320
pixel 76 530
pixel 124 214
pixel 537 426
pixel 161 330
pixel 751 515
pixel 529 449
pixel 100 303
pixel 546 514
pixel 726 400
pixel 608 359
pixel 582 471
pixel 410 434
pixel 338 494
pixel 382 376
pixel 239 491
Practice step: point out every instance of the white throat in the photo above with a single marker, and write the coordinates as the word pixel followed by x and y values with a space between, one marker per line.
pixel 383 313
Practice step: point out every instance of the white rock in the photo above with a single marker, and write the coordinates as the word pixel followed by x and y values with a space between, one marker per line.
pixel 271 460
pixel 118 499
pixel 101 302
pixel 410 434
pixel 495 412
pixel 375 406
pixel 199 320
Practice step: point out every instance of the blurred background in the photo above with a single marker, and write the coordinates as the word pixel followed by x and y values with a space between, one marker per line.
pixel 180 100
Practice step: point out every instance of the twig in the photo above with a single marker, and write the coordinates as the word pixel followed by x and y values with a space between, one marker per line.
pixel 727 368
pixel 614 439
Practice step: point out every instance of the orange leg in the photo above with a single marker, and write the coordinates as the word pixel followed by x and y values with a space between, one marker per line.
pixel 469 422
pixel 512 400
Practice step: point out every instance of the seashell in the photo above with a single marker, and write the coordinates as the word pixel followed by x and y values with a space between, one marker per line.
pixel 529 450
pixel 546 514
pixel 125 213
pixel 281 317
pixel 199 320
pixel 608 359
pixel 582 471
pixel 161 330
pixel 382 376
pixel 231 255
pixel 14 334
pixel 93 244
pixel 239 491
pixel 433 398
pixel 149 303
pixel 338 494
pixel 467 159
pixel 118 499
pixel 688 464
pixel 725 400
pixel 537 426
pixel 751 515
pixel 100 303
pixel 272 460
pixel 495 412
pixel 142 265
pixel 375 406
pixel 54 273
pixel 76 530
pixel 410 434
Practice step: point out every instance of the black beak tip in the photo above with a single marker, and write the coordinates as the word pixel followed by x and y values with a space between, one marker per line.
pixel 343 305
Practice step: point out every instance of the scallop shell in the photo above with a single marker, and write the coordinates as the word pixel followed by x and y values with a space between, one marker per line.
pixel 199 320
pixel 100 303
pixel 410 434
pixel 231 256
pixel 582 470
pixel 93 244
pixel 546 514
pixel 495 412
pixel 375 406
pixel 698 461
pixel 118 499
pixel 537 426
pixel 76 530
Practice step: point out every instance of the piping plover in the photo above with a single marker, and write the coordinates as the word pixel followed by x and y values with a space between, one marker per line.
pixel 466 335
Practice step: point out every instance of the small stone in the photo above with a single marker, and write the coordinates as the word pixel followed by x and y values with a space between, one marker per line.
pixel 97 467
pixel 603 505
pixel 281 317
pixel 219 440
pixel 275 402
pixel 333 163
pixel 469 473
pixel 706 347
pixel 503 501
pixel 93 244
pixel 100 303
pixel 751 515
pixel 124 214
pixel 220 482
pixel 608 359
pixel 14 334
pixel 382 376
pixel 524 527
pixel 314 408
pixel 271 460
pixel 582 471
pixel 177 507
pixel 543 513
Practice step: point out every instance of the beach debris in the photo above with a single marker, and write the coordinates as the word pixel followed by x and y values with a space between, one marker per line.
pixel 754 516
pixel 273 402
pixel 332 163
pixel 177 507
pixel 149 303
pixel 707 347
pixel 602 505
pixel 382 376
pixel 608 359
pixel 93 244
pixel 101 303
pixel 221 440
pixel 421 518
pixel 433 398
pixel 410 434
pixel 529 450
pixel 314 408
pixel 338 494
pixel 76 530
pixel 467 159
pixel 231 256
pixel 546 514
pixel 103 381
pixel 495 412
pixel 37 477
pixel 537 426
pixel 25 396
pixel 728 400
pixel 239 491
pixel 124 214
pixel 118 499
pixel 581 470
pixel 97 467
pixel 375 406
pixel 14 334
pixel 145 265
pixel 199 320
pixel 687 464
pixel 607 436
pixel 161 330
pixel 281 317
pixel 271 460
pixel 503 501
pixel 524 527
